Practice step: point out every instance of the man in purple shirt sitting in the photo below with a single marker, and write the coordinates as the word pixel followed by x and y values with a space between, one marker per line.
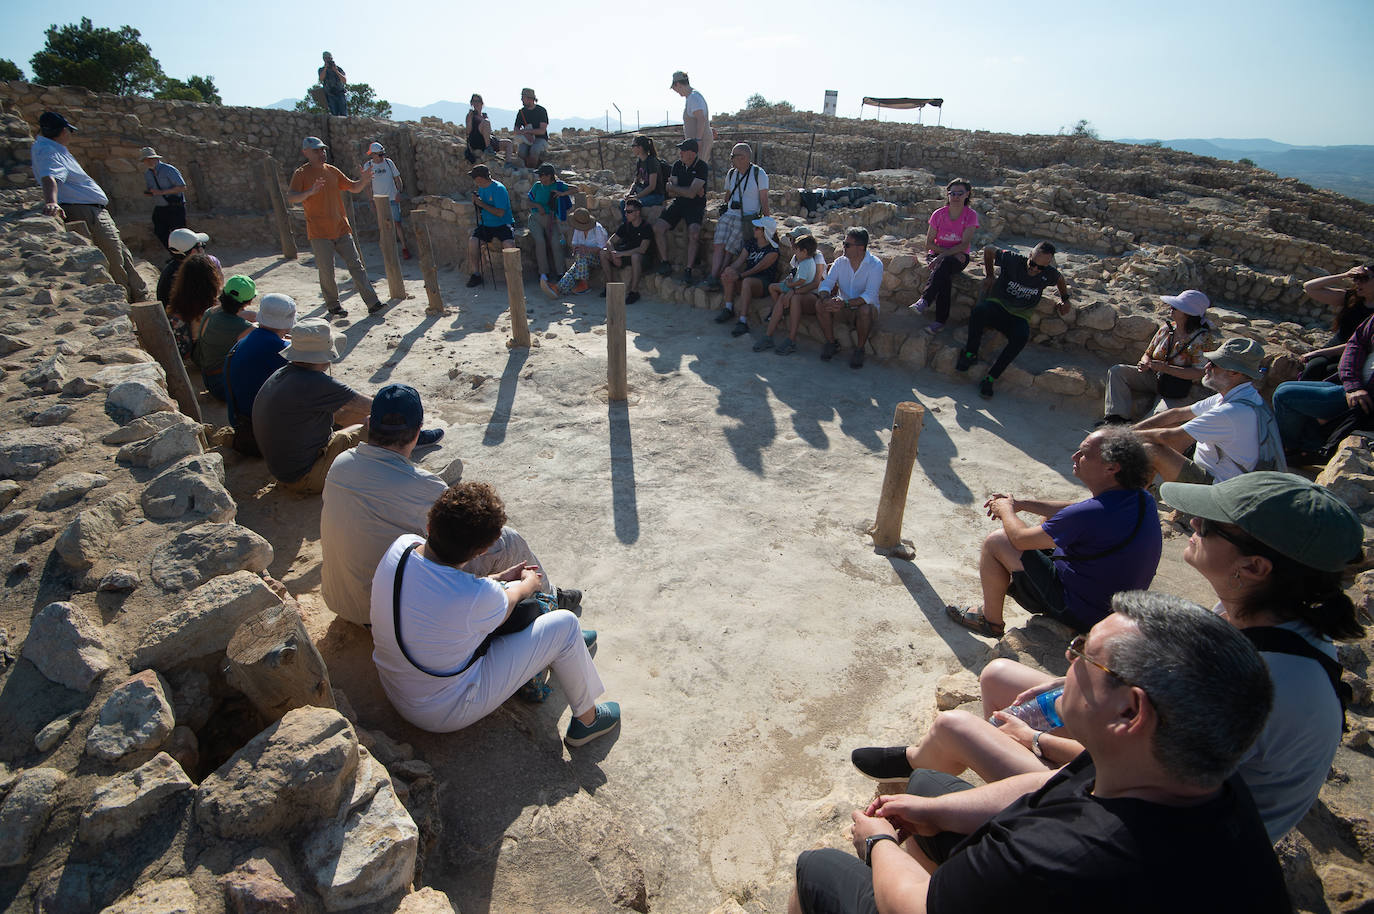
pixel 1100 546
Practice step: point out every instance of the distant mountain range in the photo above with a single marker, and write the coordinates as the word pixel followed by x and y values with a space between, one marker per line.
pixel 1347 170
pixel 455 112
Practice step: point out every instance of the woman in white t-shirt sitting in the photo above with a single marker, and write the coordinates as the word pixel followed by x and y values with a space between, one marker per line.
pixel 795 294
pixel 439 634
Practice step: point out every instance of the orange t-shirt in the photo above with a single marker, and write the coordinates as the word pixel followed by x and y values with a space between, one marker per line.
pixel 325 216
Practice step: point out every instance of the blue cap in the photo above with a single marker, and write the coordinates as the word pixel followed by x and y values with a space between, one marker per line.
pixel 396 408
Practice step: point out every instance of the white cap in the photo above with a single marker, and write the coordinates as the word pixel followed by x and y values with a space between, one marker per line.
pixel 277 311
pixel 183 239
pixel 376 147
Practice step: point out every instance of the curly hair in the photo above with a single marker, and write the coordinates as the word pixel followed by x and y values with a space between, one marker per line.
pixel 196 288
pixel 464 521
pixel 1121 446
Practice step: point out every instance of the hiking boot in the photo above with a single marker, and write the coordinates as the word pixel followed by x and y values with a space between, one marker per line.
pixel 665 269
pixel 985 388
pixel 568 597
pixel 631 297
pixel 765 343
pixel 829 349
pixel 337 311
pixel 740 329
pixel 474 280
pixel 711 284
pixel 375 307
pixel 786 347
pixel 857 359
pixel 687 276
pixel 966 360
pixel 607 719
pixel 725 315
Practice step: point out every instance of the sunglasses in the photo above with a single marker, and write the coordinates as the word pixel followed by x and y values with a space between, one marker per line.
pixel 1075 651
pixel 1245 543
pixel 958 193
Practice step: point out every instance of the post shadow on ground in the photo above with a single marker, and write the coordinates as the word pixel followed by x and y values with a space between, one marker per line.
pixel 402 348
pixel 968 648
pixel 623 500
pixel 505 397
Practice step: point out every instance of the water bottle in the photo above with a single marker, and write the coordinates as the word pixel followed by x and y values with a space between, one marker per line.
pixel 1039 713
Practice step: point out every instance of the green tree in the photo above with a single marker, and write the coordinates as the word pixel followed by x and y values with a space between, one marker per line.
pixel 102 60
pixel 1084 128
pixel 1250 162
pixel 362 102
pixel 194 89
pixel 757 101
pixel 10 70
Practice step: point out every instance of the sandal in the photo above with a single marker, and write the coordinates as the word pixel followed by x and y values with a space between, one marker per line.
pixel 974 620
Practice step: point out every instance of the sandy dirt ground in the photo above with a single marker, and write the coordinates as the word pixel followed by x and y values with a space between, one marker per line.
pixel 717 524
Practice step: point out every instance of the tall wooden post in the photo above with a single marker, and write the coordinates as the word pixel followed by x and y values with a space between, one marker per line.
pixel 616 386
pixel 901 454
pixel 280 214
pixel 155 333
pixel 515 294
pixel 386 237
pixel 419 220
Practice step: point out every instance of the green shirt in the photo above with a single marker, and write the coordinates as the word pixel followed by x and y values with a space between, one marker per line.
pixel 218 333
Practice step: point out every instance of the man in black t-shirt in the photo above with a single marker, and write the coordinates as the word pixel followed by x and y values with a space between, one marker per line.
pixel 687 192
pixel 531 132
pixel 629 242
pixel 1008 304
pixel 1166 697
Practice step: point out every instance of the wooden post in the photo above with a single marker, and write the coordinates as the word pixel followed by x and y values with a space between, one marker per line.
pixel 515 294
pixel 272 660
pixel 386 237
pixel 280 214
pixel 419 221
pixel 616 387
pixel 901 453
pixel 155 333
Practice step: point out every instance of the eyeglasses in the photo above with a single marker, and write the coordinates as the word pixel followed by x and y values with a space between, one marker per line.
pixel 1075 650
pixel 958 193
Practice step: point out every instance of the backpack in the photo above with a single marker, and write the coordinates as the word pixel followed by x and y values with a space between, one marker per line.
pixel 665 172
pixel 1285 641
pixel 1270 443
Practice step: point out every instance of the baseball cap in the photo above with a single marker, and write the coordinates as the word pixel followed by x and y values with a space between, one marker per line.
pixel 313 142
pixel 396 408
pixel 689 144
pixel 547 169
pixel 1189 302
pixel 479 171
pixel 1294 517
pixel 183 239
pixel 241 288
pixel 277 311
pixel 1238 354
pixel 679 77
pixel 52 122
pixel 376 147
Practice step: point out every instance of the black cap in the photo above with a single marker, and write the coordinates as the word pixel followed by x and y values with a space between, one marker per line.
pixel 396 408
pixel 50 123
pixel 547 169
pixel 688 144
pixel 479 171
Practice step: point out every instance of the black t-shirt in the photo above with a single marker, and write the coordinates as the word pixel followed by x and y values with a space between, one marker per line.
pixel 532 117
pixel 1015 288
pixel 1061 850
pixel 629 238
pixel 1349 322
pixel 643 171
pixel 683 176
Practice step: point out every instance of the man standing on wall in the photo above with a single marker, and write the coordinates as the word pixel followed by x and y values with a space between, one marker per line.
pixel 70 193
pixel 168 189
pixel 317 186
pixel 696 117
pixel 335 82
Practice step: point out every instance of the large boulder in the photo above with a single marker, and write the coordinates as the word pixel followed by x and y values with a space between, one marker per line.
pixel 121 804
pixel 66 647
pixel 88 536
pixel 26 452
pixel 196 555
pixel 192 486
pixel 205 621
pixel 172 443
pixel 128 400
pixel 134 722
pixel 25 813
pixel 295 772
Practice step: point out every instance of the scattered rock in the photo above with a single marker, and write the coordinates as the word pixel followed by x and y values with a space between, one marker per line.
pixel 121 804
pixel 79 387
pixel 10 344
pixel 194 556
pixel 141 428
pixel 265 883
pixel 26 452
pixel 70 489
pixel 295 772
pixel 426 901
pixel 11 519
pixel 118 580
pixel 134 722
pixel 171 896
pixel 116 327
pixel 129 400
pixel 956 689
pixel 88 536
pixel 52 734
pixel 9 491
pixel 184 746
pixel 53 415
pixel 38 533
pixel 48 375
pixel 205 621
pixel 191 486
pixel 191 698
pixel 66 647
pixel 112 375
pixel 1348 891
pixel 24 814
pixel 172 443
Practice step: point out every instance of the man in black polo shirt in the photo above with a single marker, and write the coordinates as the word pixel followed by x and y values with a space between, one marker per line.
pixel 1008 303
pixel 687 191
pixel 629 242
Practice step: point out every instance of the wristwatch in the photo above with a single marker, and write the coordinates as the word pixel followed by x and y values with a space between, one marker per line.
pixel 1035 744
pixel 872 840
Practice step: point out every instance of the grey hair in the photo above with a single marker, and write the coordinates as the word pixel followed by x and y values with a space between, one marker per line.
pixel 1209 688
pixel 1123 447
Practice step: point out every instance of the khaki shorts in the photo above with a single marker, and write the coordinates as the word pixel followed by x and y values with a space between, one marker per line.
pixel 1192 473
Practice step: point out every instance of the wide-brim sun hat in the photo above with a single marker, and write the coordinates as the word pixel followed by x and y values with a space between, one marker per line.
pixel 769 226
pixel 313 341
pixel 581 220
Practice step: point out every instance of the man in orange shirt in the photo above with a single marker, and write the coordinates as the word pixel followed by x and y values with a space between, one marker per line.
pixel 317 185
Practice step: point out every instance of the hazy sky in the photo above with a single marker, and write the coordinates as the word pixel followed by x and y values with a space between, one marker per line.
pixel 1290 71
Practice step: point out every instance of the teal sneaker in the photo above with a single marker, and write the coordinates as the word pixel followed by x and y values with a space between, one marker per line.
pixel 589 637
pixel 607 719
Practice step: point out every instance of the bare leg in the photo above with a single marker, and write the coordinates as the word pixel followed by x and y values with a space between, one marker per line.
pixel 1002 680
pixel 746 295
pixel 863 323
pixel 635 265
pixel 693 239
pixel 1167 462
pixel 801 303
pixel 661 238
pixel 717 259
pixel 781 302
pixel 958 741
pixel 729 281
pixel 996 562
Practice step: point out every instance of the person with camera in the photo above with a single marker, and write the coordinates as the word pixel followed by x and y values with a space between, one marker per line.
pixel 746 199
pixel 531 131
pixel 1170 365
pixel 687 191
pixel 335 82
pixel 494 218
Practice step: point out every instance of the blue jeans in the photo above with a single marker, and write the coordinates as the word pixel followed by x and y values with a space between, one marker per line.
pixel 337 102
pixel 1302 408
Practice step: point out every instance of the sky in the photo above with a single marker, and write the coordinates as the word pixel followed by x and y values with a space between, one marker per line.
pixel 1168 69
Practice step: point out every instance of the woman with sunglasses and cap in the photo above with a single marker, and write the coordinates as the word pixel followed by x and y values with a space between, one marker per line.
pixel 750 274
pixel 1273 547
pixel 1170 365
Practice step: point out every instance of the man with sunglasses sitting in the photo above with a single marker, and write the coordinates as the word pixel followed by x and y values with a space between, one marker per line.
pixel 1009 299
pixel 1166 698
pixel 849 292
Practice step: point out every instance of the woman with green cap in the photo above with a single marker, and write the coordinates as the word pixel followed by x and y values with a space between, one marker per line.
pixel 221 328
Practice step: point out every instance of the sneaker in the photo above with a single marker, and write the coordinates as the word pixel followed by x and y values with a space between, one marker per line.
pixel 607 719
pixel 934 327
pixel 740 329
pixel 725 315
pixel 582 286
pixel 829 349
pixel 765 343
pixel 375 307
pixel 665 269
pixel 548 288
pixel 786 347
pixel 919 306
pixel 857 359
pixel 429 436
pixel 985 388
pixel 337 311
pixel 589 637
pixel 966 360
pixel 631 297
pixel 712 284
pixel 405 252
pixel 882 763
pixel 474 280
pixel 568 597
pixel 687 276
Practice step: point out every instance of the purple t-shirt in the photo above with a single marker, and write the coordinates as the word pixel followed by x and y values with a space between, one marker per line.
pixel 1095 525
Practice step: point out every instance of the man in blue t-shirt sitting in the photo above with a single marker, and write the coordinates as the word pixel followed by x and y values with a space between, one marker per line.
pixel 1102 545
pixel 495 218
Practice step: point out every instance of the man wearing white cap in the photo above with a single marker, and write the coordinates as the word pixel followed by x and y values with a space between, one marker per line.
pixel 253 360
pixel 168 189
pixel 317 185
pixel 1170 365
pixel 387 181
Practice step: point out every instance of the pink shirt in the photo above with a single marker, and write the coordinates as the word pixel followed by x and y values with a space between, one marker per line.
pixel 949 232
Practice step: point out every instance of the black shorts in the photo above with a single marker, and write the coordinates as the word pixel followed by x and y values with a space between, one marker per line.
pixel 493 233
pixel 680 209
pixel 1039 590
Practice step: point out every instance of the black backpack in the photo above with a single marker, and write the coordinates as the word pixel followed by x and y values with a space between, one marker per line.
pixel 665 172
pixel 1285 641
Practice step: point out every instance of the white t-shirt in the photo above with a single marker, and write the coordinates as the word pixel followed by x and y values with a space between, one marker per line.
pixel 384 175
pixel 445 614
pixel 50 159
pixel 595 237
pixel 695 102
pixel 745 188
pixel 1224 425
